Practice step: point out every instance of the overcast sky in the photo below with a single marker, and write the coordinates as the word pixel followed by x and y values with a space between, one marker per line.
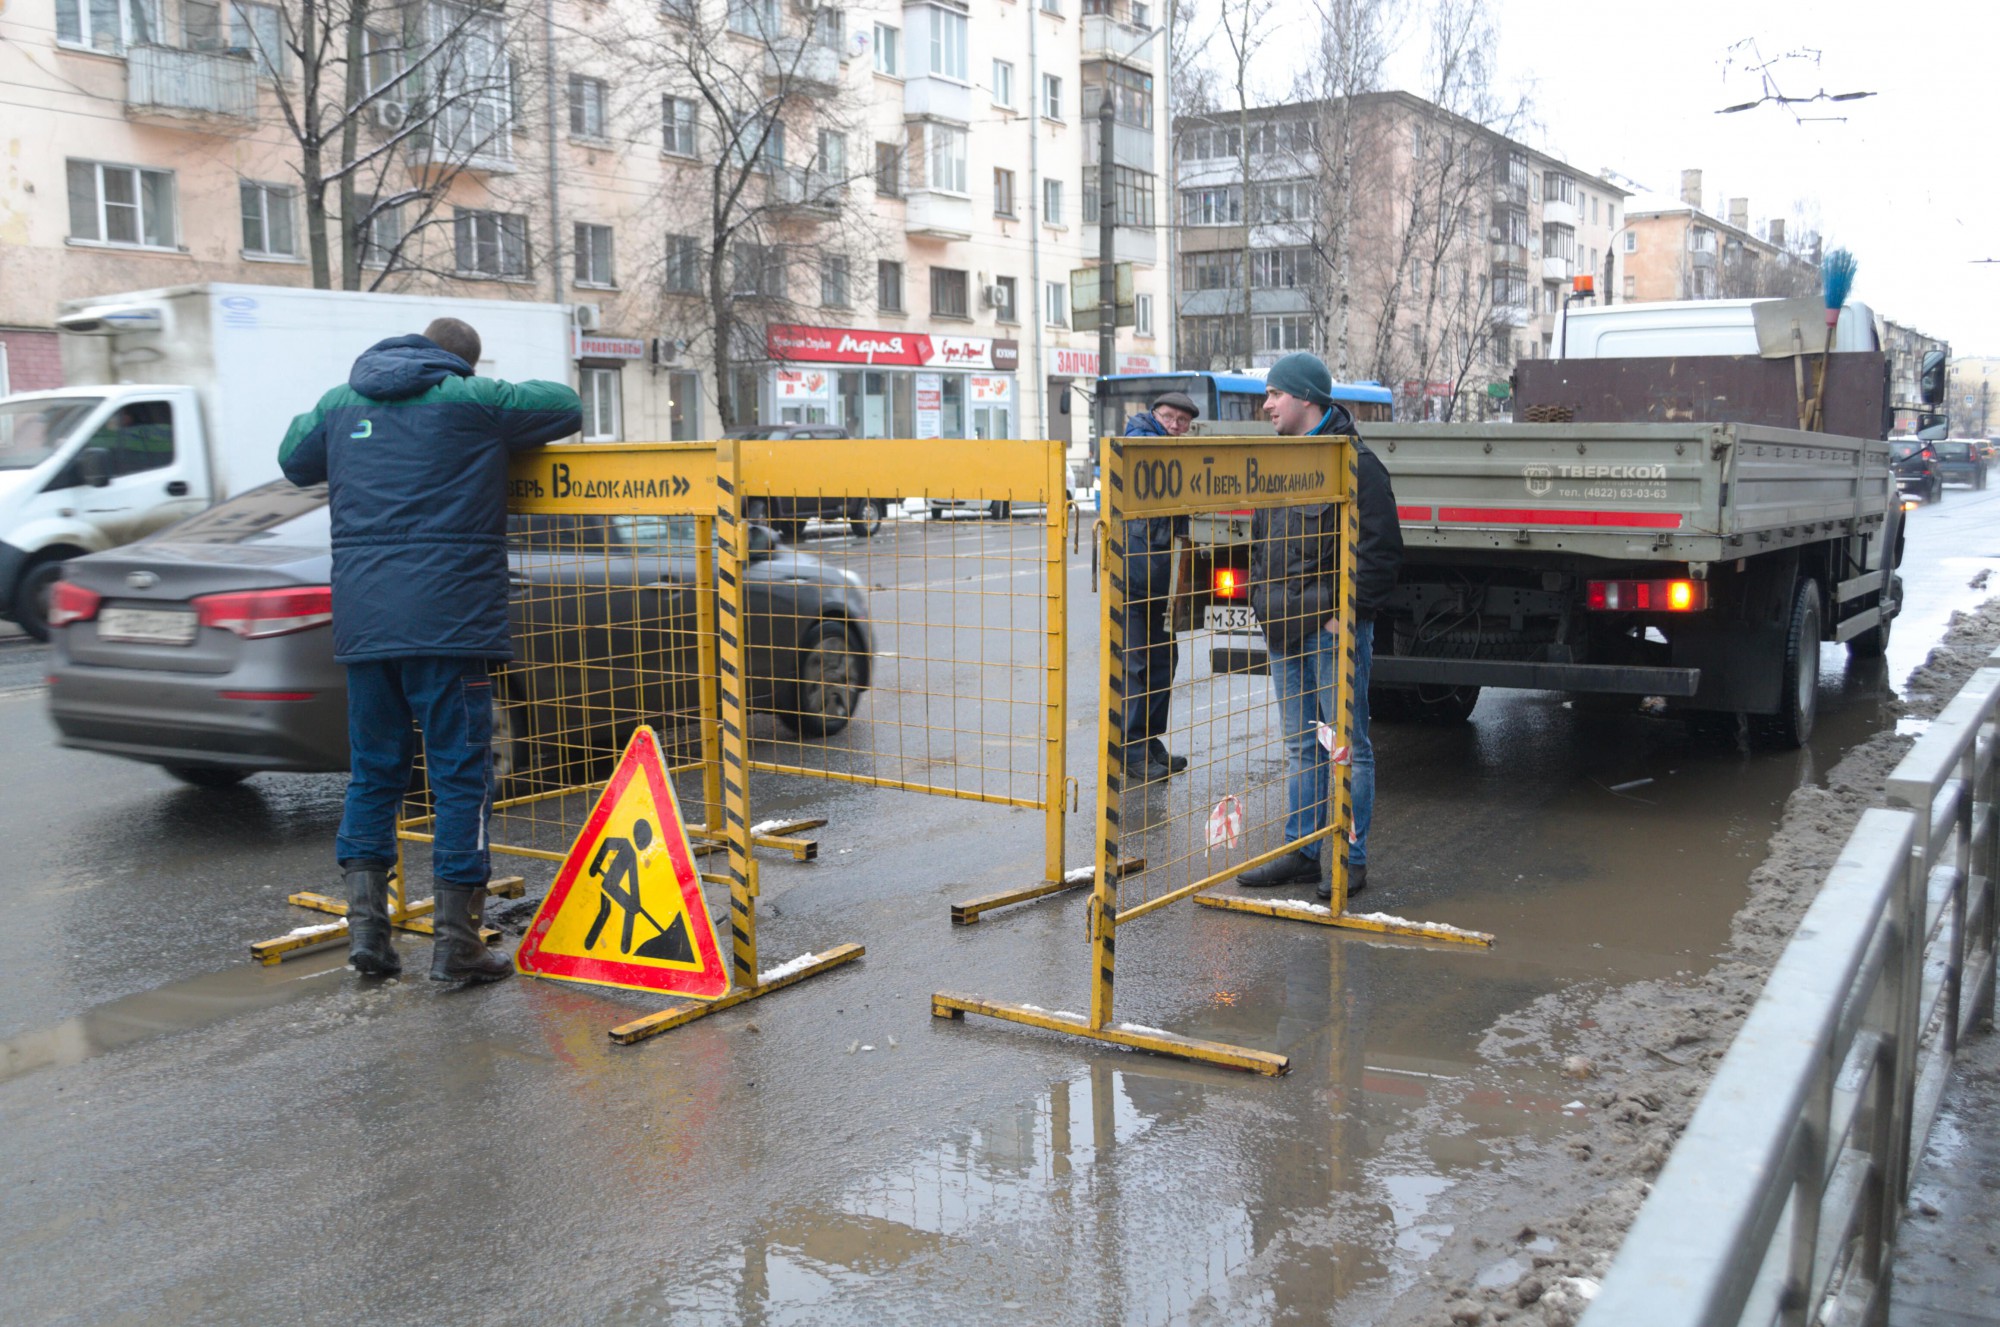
pixel 1909 183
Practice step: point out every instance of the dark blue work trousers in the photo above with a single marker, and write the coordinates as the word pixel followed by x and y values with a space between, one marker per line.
pixel 452 699
pixel 1150 655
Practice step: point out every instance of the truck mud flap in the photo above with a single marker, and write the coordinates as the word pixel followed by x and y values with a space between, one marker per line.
pixel 1402 670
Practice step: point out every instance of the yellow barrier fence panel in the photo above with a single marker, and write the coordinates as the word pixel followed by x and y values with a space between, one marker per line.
pixel 921 647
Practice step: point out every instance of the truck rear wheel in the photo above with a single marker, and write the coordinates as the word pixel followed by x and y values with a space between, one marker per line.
pixel 31 595
pixel 1798 690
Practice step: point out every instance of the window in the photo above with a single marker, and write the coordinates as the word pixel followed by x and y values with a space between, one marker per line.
pixel 888 50
pixel 262 29
pixel 475 87
pixel 1701 239
pixel 1287 332
pixel 948 293
pixel 1142 315
pixel 944 157
pixel 267 220
pixel 1142 15
pixel 1559 189
pixel 1279 269
pixel 1003 83
pixel 121 205
pixel 677 124
pixel 586 106
pixel 139 437
pixel 1055 304
pixel 1052 6
pixel 1219 269
pixel 104 25
pixel 1559 242
pixel 1131 94
pixel 888 286
pixel 830 167
pixel 1611 215
pixel 381 230
pixel 756 269
pixel 1003 192
pixel 1219 206
pixel 833 281
pixel 1510 286
pixel 889 170
pixel 1052 202
pixel 1052 102
pixel 382 61
pixel 1280 200
pixel 829 30
pixel 1631 241
pixel 683 266
pixel 1132 196
pixel 598 389
pixel 948 44
pixel 1631 287
pixel 1593 209
pixel 1006 300
pixel 757 139
pixel 490 243
pixel 753 18
pixel 593 255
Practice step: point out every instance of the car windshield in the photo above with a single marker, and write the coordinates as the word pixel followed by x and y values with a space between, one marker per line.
pixel 1955 451
pixel 594 533
pixel 1905 450
pixel 278 511
pixel 32 431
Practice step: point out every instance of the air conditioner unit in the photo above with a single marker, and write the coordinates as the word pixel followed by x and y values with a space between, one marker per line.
pixel 587 317
pixel 668 349
pixel 992 297
pixel 390 114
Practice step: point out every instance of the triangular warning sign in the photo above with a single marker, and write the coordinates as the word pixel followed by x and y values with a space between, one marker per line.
pixel 626 908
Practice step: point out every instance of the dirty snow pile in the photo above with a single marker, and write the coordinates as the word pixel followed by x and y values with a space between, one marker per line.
pixel 1644 1053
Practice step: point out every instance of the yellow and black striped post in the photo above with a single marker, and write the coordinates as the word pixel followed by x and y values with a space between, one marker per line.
pixel 1112 774
pixel 734 713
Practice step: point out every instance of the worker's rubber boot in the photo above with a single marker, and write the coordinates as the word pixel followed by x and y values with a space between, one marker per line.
pixel 457 952
pixel 368 945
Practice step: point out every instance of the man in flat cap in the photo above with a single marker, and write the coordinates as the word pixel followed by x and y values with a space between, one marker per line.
pixel 1150 653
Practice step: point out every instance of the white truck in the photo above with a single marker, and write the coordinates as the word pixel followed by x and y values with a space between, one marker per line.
pixel 1668 516
pixel 178 398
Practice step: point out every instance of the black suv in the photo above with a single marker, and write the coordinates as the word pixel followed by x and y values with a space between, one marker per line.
pixel 788 514
pixel 1917 472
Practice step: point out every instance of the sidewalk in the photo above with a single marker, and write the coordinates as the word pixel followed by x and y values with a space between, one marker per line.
pixel 1948 1254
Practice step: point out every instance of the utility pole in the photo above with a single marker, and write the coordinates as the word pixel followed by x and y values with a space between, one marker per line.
pixel 1107 271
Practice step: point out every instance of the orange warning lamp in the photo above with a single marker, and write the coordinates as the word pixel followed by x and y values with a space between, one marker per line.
pixel 1584 285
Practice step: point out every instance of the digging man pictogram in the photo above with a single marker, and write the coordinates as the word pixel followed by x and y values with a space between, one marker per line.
pixel 620 881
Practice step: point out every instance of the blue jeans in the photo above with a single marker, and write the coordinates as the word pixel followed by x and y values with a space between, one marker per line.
pixel 453 701
pixel 1306 682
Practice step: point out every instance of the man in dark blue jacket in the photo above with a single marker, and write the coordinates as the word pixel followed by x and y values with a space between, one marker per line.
pixel 413 451
pixel 1150 653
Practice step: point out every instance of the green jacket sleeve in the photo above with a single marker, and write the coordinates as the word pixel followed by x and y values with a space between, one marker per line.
pixel 532 413
pixel 302 455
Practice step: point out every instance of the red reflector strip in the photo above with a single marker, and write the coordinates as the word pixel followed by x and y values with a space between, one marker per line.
pixel 1641 520
pixel 1413 513
pixel 267 695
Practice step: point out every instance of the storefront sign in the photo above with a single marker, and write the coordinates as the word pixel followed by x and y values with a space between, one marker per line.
pixel 589 345
pixel 1006 355
pixel 797 343
pixel 804 385
pixel 1083 364
pixel 930 405
pixel 989 390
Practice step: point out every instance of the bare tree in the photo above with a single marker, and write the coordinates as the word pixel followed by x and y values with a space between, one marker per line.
pixel 1244 25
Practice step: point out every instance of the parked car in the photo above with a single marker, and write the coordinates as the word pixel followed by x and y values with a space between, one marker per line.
pixel 1917 474
pixel 788 515
pixel 1959 461
pixel 207 649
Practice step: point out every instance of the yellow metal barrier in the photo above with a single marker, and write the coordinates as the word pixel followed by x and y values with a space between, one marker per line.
pixel 950 679
pixel 1165 835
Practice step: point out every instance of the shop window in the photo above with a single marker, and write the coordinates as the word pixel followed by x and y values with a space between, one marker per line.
pixel 599 390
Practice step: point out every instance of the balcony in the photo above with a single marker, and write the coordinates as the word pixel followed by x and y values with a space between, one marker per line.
pixel 169 81
pixel 1105 38
pixel 796 188
pixel 1557 213
pixel 1129 244
pixel 937 216
pixel 1130 145
pixel 1512 315
pixel 937 99
pixel 797 67
pixel 1515 255
pixel 1558 269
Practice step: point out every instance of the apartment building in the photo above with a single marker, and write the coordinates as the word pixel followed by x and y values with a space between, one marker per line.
pixel 1674 249
pixel 1973 399
pixel 1460 245
pixel 758 210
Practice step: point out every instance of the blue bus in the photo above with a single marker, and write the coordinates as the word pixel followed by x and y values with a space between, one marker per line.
pixel 1231 399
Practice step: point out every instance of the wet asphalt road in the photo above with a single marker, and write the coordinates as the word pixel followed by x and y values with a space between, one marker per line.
pixel 187 1137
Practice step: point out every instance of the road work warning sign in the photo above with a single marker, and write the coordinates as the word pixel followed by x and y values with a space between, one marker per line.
pixel 626 908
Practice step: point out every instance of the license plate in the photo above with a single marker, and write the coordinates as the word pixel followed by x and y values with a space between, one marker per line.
pixel 1230 617
pixel 147 626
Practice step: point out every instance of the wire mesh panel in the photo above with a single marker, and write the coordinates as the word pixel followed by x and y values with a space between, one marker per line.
pixel 916 644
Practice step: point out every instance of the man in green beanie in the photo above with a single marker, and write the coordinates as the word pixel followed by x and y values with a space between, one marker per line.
pixel 1294 589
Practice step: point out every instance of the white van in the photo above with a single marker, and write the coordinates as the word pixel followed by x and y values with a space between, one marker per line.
pixel 180 397
pixel 1703 327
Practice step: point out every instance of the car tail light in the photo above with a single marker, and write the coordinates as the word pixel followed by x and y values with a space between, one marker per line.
pixel 1228 583
pixel 1647 596
pixel 72 603
pixel 255 614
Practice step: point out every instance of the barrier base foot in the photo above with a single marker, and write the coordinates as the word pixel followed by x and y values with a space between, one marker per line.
pixel 966 913
pixel 775 834
pixel 674 1016
pixel 1381 923
pixel 947 1005
pixel 415 919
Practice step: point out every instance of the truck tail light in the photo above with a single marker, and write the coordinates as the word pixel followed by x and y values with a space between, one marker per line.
pixel 1647 596
pixel 255 614
pixel 1228 583
pixel 72 603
